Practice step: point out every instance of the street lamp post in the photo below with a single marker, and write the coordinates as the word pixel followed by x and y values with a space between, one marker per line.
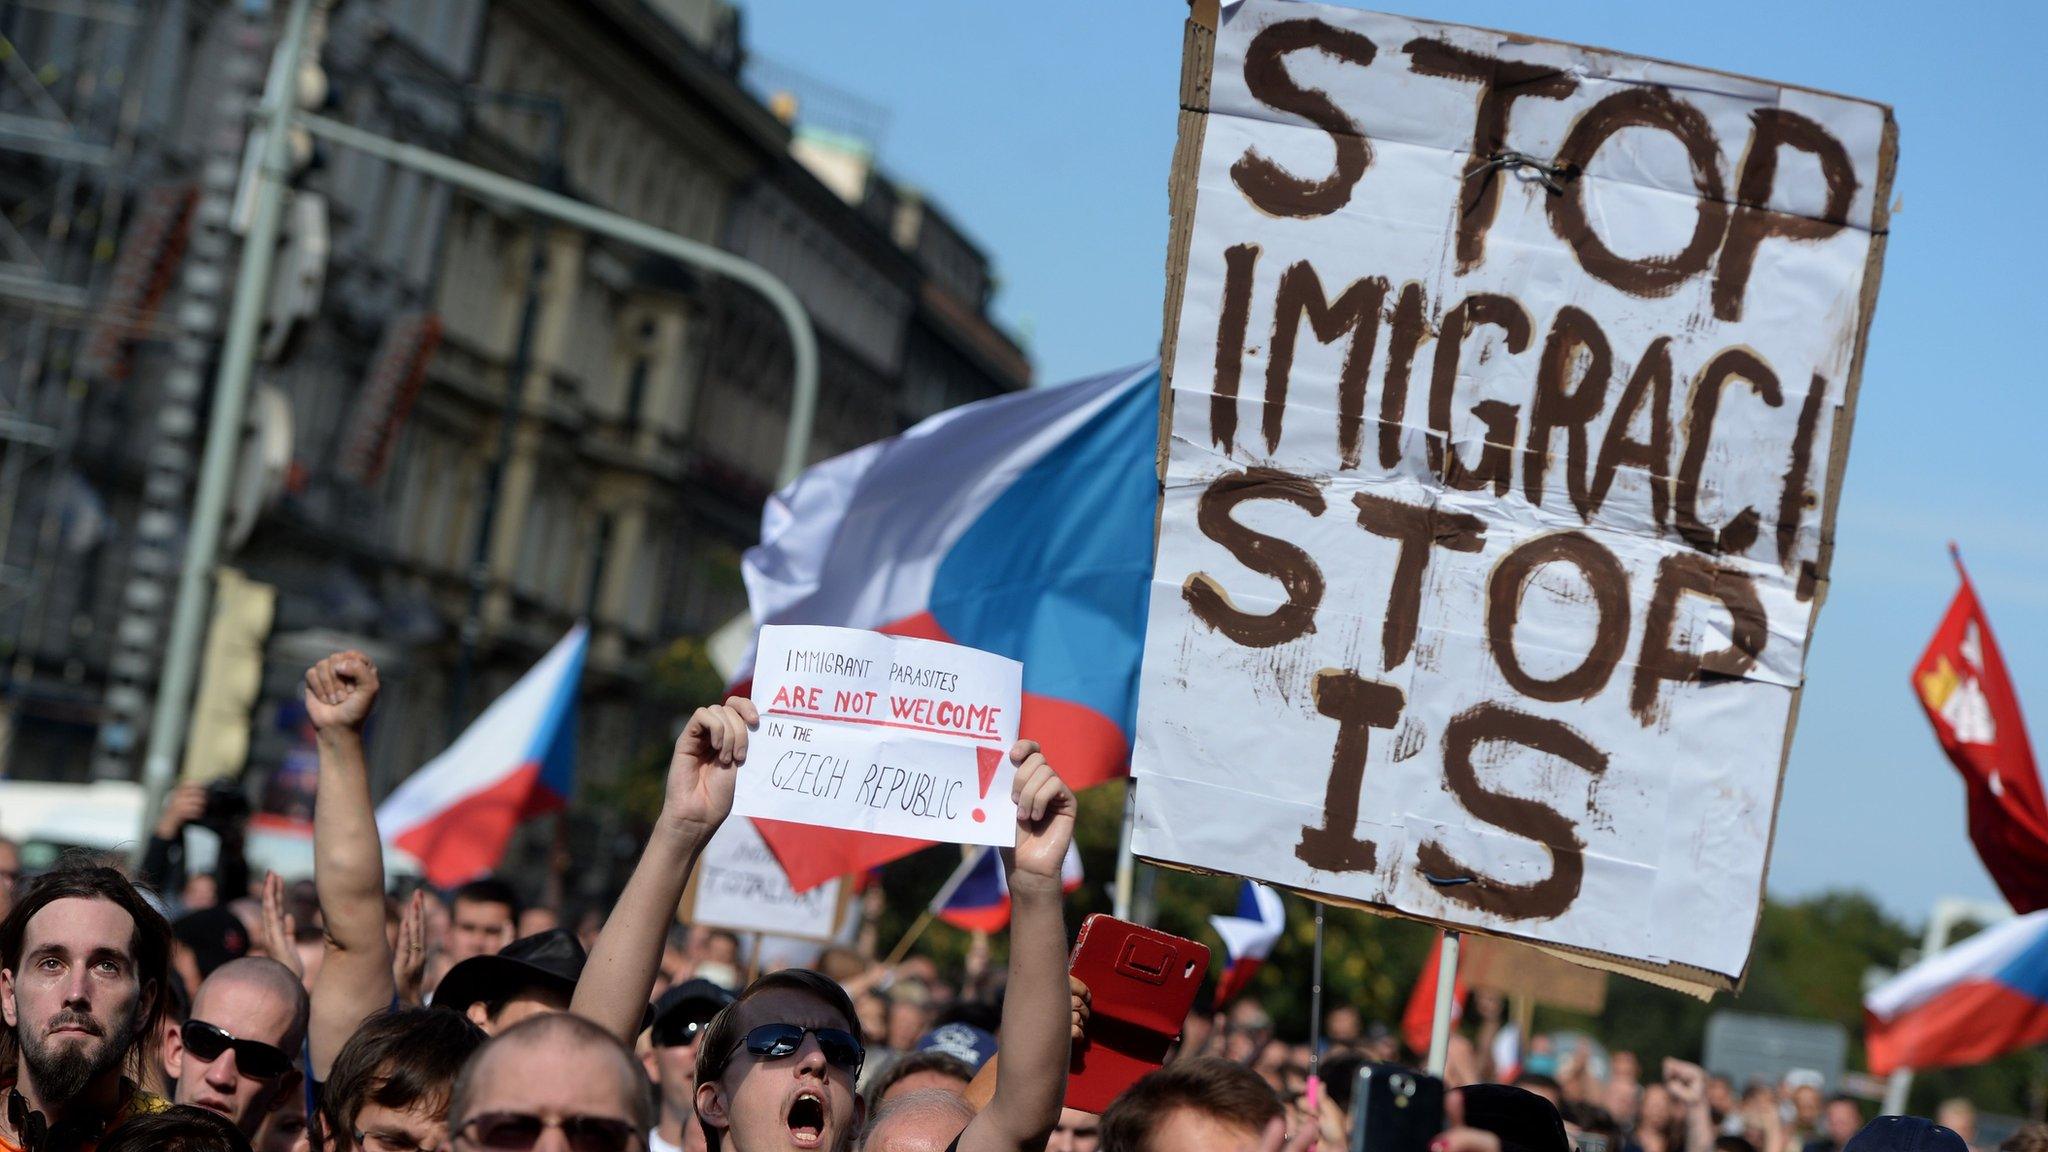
pixel 224 427
pixel 277 115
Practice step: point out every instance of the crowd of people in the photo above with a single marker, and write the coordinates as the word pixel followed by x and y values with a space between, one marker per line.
pixel 215 1012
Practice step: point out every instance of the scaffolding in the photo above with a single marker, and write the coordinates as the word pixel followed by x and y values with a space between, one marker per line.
pixel 75 296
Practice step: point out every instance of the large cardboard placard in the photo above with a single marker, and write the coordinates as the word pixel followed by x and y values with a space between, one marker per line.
pixel 1509 390
pixel 738 884
pixel 889 734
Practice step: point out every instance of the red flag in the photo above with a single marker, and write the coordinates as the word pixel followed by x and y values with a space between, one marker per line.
pixel 1421 1013
pixel 1962 682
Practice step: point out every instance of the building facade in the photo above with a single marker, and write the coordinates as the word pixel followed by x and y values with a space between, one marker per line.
pixel 494 426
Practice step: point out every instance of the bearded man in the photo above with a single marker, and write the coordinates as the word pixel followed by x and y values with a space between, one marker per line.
pixel 83 964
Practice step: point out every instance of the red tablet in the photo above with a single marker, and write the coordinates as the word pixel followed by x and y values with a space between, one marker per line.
pixel 1141 983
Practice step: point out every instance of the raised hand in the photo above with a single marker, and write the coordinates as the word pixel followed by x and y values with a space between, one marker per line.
pixel 1045 813
pixel 409 961
pixel 702 772
pixel 1687 1083
pixel 280 929
pixel 186 803
pixel 340 691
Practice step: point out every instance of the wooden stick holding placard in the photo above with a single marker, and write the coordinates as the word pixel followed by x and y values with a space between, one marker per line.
pixel 1446 994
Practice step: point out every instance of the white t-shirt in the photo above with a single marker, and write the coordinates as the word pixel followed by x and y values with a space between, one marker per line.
pixel 656 1144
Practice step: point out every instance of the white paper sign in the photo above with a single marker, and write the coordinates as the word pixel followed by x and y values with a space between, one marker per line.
pixel 739 885
pixel 1511 388
pixel 886 734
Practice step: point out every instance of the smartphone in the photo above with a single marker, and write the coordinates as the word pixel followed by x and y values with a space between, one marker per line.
pixel 1395 1109
pixel 1141 984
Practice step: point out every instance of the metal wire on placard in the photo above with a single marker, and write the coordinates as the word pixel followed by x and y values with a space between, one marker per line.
pixel 1548 174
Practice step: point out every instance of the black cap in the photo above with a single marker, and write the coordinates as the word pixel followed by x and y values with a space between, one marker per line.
pixel 691 1002
pixel 1905 1134
pixel 1524 1121
pixel 548 961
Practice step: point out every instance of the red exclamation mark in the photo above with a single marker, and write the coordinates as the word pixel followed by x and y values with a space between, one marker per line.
pixel 986 761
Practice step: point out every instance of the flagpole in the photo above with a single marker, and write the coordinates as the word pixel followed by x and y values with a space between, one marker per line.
pixel 1948 912
pixel 1126 862
pixel 1440 1026
pixel 1315 1019
pixel 931 910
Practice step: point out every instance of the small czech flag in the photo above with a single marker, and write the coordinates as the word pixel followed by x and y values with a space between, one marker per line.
pixel 457 813
pixel 977 896
pixel 1248 937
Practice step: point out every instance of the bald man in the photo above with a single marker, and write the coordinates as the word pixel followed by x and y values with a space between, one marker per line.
pixel 556 1074
pixel 928 1120
pixel 237 1053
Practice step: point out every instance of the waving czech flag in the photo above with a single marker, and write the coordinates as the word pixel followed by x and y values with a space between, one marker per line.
pixel 977 896
pixel 456 814
pixel 1964 1005
pixel 1248 937
pixel 1021 526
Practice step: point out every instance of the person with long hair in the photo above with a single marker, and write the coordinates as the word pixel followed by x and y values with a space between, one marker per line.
pixel 84 961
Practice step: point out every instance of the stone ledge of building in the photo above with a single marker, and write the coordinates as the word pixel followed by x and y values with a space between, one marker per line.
pixel 979 338
pixel 668 52
pixel 660 463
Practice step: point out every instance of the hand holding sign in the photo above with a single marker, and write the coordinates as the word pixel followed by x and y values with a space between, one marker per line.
pixel 701 774
pixel 886 734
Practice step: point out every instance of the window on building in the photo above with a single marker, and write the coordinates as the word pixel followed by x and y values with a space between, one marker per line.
pixel 641 363
pixel 600 555
pixel 440 515
pixel 534 545
pixel 651 563
pixel 567 556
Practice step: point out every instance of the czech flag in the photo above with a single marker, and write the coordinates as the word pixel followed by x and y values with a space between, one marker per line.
pixel 456 814
pixel 1020 525
pixel 977 896
pixel 1248 937
pixel 1964 1005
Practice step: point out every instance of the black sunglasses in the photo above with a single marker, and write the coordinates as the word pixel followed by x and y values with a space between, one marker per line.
pixel 842 1049
pixel 252 1057
pixel 520 1131
pixel 674 1033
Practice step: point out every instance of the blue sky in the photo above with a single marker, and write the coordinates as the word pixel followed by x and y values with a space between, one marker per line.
pixel 1046 129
